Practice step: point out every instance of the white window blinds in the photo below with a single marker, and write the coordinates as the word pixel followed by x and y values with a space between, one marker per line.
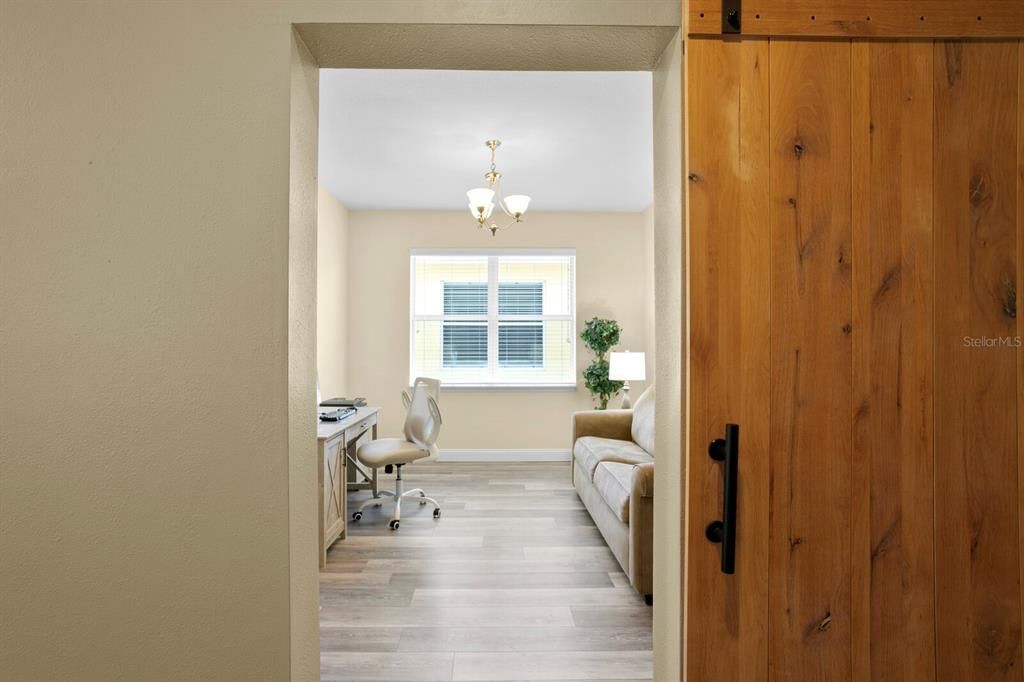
pixel 503 318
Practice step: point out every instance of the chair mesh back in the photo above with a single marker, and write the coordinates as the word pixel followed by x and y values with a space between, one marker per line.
pixel 423 419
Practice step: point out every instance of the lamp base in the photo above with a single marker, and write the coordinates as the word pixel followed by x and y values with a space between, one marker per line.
pixel 627 404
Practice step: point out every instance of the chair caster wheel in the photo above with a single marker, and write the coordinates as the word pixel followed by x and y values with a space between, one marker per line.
pixel 357 515
pixel 437 513
pixel 393 525
pixel 422 503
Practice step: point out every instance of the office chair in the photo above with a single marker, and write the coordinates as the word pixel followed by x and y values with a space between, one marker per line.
pixel 422 425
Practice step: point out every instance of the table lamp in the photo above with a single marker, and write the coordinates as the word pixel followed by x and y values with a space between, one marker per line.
pixel 624 367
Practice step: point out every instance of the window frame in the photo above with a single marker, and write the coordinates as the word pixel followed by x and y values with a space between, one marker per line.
pixel 493 319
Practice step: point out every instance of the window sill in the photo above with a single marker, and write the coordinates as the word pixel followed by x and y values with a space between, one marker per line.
pixel 508 387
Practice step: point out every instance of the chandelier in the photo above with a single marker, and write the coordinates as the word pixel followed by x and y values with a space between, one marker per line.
pixel 481 199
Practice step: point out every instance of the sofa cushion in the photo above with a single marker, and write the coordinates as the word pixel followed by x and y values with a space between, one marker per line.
pixel 591 451
pixel 612 480
pixel 643 420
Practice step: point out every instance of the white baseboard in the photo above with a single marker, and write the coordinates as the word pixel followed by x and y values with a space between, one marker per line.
pixel 495 455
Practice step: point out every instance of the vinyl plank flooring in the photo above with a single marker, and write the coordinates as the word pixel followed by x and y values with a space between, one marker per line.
pixel 562 665
pixel 572 518
pixel 493 525
pixel 493 566
pixel 477 504
pixel 507 639
pixel 462 616
pixel 360 639
pixel 432 553
pixel 568 553
pixel 354 666
pixel 519 494
pixel 548 485
pixel 513 582
pixel 403 540
pixel 579 596
pixel 611 616
pixel 345 596
pixel 475 527
pixel 343 566
pixel 329 580
pixel 567 579
pixel 561 516
pixel 639 679
pixel 619 579
pixel 587 538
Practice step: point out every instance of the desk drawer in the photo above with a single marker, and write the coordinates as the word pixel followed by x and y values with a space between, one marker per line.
pixel 356 430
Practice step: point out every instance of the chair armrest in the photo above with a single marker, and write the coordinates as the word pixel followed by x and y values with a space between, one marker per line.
pixel 602 424
pixel 642 484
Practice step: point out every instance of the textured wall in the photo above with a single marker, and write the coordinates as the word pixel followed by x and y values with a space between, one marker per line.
pixel 145 215
pixel 332 295
pixel 303 510
pixel 670 316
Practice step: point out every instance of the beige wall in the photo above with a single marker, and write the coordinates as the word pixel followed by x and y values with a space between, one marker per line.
pixel 670 314
pixel 332 295
pixel 650 288
pixel 144 204
pixel 145 236
pixel 303 524
pixel 610 282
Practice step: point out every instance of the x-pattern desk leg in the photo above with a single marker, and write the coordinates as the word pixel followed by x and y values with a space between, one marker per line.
pixel 332 473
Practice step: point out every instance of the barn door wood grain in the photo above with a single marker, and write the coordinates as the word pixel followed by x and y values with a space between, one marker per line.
pixel 893 567
pixel 978 603
pixel 856 223
pixel 1020 317
pixel 728 232
pixel 811 341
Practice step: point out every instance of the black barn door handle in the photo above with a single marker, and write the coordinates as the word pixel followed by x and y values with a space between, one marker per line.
pixel 723 532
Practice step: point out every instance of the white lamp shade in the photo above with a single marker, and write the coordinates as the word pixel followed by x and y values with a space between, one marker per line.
pixel 479 198
pixel 517 203
pixel 627 367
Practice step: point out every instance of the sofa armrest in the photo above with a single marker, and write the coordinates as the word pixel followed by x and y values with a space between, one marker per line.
pixel 643 480
pixel 641 528
pixel 602 424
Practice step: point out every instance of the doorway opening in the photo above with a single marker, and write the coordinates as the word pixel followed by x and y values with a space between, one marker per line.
pixel 418 597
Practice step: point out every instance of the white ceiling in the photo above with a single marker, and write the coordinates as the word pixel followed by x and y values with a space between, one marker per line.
pixel 573 141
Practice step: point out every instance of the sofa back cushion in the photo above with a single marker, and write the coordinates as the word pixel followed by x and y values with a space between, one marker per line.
pixel 591 451
pixel 643 420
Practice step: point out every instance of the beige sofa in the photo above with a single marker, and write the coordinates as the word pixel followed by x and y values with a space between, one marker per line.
pixel 613 472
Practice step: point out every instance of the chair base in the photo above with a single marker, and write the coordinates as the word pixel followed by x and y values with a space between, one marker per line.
pixel 398 495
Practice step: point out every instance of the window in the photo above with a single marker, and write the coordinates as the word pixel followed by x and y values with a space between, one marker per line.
pixel 520 344
pixel 464 344
pixel 494 318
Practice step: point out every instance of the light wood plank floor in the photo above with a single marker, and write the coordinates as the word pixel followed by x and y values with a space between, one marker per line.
pixel 513 582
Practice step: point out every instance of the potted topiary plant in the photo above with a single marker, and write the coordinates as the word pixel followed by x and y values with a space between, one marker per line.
pixel 600 336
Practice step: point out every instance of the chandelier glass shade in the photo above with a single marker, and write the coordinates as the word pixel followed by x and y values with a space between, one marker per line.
pixel 482 199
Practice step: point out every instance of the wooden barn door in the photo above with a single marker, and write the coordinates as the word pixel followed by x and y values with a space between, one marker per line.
pixel 856 240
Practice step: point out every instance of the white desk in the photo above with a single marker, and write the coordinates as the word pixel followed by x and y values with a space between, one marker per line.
pixel 334 447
